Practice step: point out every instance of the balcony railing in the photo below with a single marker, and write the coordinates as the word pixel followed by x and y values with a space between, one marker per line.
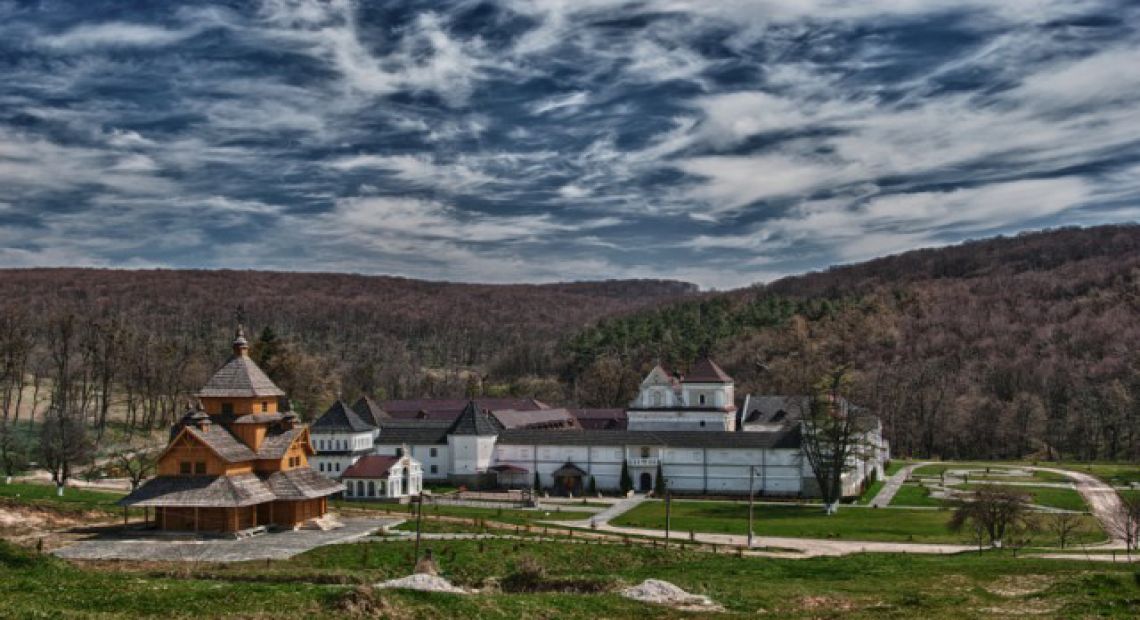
pixel 643 462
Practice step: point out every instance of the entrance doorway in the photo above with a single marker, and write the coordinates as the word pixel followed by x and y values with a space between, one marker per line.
pixel 645 483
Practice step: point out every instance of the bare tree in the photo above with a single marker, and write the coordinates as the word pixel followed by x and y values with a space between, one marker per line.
pixel 136 462
pixel 64 445
pixel 1064 525
pixel 1124 524
pixel 999 511
pixel 833 435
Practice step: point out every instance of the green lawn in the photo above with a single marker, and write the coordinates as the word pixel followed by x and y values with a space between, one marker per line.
pixel 72 500
pixel 504 515
pixel 872 490
pixel 322 583
pixel 914 495
pixel 851 523
pixel 1065 499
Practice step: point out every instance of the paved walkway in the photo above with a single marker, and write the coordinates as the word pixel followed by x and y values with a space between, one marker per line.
pixel 603 517
pixel 275 546
pixel 892 485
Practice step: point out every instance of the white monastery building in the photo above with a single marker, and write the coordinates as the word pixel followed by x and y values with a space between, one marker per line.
pixel 687 428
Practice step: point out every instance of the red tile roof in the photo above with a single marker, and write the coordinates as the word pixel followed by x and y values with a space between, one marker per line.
pixel 371 466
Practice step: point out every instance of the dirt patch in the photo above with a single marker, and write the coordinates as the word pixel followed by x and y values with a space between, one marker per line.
pixel 664 593
pixel 1029 607
pixel 22 521
pixel 1019 585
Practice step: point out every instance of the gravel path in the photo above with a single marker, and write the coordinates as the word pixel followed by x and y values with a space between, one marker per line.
pixel 1103 501
pixel 892 485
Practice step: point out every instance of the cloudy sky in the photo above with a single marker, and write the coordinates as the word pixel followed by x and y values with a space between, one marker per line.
pixel 723 143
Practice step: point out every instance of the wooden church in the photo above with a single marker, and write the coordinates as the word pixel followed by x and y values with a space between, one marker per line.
pixel 236 462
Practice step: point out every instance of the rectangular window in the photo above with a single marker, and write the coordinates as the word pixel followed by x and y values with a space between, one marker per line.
pixel 184 468
pixel 434 452
pixel 264 406
pixel 200 468
pixel 399 452
pixel 435 469
pixel 338 466
pixel 227 408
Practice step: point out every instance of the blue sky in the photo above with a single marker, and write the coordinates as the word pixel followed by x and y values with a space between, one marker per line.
pixel 722 143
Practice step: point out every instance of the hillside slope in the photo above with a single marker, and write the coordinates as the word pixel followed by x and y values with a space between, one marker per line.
pixel 391 337
pixel 1005 347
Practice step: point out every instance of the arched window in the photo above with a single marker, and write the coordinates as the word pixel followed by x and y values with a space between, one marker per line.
pixel 701 399
pixel 360 488
pixel 655 397
pixel 371 489
pixel 644 452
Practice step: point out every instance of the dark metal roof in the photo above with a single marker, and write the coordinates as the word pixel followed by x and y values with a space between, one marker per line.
pixel 201 491
pixel 369 411
pixel 371 466
pixel 239 377
pixel 789 438
pixel 706 371
pixel 450 408
pixel 601 419
pixel 417 432
pixel 341 417
pixel 475 420
pixel 301 483
pixel 775 409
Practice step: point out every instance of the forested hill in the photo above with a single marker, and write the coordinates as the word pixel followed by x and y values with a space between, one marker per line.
pixel 165 330
pixel 998 348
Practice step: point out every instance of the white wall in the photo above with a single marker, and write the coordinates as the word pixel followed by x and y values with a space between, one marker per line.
pixel 695 470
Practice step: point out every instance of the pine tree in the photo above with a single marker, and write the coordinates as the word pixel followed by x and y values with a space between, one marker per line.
pixel 659 483
pixel 593 488
pixel 626 479
pixel 537 481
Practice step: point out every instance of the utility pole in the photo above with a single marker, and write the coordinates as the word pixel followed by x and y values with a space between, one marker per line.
pixel 751 502
pixel 668 503
pixel 419 502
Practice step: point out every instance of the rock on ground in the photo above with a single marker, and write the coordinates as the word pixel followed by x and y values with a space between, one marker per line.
pixel 665 593
pixel 423 582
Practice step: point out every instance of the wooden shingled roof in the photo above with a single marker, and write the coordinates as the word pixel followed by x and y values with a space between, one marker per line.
pixel 302 483
pixel 201 491
pixel 240 377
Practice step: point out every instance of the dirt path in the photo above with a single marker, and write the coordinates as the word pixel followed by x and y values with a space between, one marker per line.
pixel 892 485
pixel 1103 501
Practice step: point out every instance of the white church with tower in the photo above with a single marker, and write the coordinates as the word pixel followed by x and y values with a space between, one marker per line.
pixel 685 427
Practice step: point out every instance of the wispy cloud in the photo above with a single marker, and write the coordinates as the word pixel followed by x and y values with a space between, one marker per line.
pixel 724 142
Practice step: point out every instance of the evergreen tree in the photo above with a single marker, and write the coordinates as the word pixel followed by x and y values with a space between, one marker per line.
pixel 626 479
pixel 537 481
pixel 593 488
pixel 659 483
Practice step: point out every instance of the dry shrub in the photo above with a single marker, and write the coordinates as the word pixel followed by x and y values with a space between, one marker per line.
pixel 365 602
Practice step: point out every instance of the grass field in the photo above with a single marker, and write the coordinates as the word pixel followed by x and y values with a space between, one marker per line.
pixel 80 500
pixel 322 583
pixel 1065 499
pixel 914 495
pixel 851 523
pixel 504 515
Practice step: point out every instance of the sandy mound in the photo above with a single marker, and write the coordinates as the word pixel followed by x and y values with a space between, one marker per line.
pixel 665 593
pixel 425 583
